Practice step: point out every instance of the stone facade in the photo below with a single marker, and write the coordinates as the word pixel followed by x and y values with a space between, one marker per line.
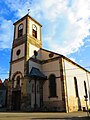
pixel 56 83
pixel 54 106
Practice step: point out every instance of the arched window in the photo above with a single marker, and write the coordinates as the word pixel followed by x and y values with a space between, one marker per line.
pixel 85 87
pixel 34 31
pixel 52 85
pixel 20 30
pixel 76 86
pixel 18 80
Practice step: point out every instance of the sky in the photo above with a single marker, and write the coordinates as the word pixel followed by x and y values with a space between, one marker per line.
pixel 66 28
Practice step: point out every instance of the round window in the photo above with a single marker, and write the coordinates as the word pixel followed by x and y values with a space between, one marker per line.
pixel 18 52
pixel 51 55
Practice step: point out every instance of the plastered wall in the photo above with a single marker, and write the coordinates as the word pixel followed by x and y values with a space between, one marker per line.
pixel 72 70
pixel 22 53
pixel 52 68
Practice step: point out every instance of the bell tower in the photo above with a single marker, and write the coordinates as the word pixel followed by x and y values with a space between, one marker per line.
pixel 27 38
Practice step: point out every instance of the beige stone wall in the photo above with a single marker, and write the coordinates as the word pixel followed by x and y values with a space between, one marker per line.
pixel 71 71
pixel 31 49
pixel 44 55
pixel 22 53
pixel 15 82
pixel 73 103
pixel 88 79
pixel 54 105
pixel 17 66
pixel 33 64
pixel 23 87
pixel 24 28
pixel 52 68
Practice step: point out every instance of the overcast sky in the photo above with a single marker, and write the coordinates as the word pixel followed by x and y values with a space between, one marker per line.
pixel 66 28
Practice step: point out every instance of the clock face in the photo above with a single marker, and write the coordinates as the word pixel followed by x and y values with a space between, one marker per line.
pixel 34 27
pixel 20 26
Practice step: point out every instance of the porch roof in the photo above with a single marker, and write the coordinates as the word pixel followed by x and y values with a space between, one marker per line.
pixel 36 73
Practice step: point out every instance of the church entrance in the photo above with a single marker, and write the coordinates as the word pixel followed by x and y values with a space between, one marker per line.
pixel 35 94
pixel 36 87
pixel 16 99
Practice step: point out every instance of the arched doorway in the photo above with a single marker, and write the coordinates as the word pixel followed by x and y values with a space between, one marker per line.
pixel 16 90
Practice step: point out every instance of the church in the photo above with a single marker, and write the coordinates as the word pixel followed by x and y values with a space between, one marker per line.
pixel 42 80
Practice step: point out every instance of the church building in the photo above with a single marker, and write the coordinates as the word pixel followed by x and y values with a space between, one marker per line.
pixel 42 80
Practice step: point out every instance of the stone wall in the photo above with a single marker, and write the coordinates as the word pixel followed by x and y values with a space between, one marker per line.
pixel 54 106
pixel 76 104
pixel 26 103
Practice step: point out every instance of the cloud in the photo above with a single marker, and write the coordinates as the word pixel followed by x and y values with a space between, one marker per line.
pixel 77 26
pixel 19 8
pixel 6 30
pixel 4 74
pixel 81 61
pixel 50 9
pixel 65 22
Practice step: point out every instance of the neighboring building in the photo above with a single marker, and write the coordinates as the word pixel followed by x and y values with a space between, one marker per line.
pixel 3 95
pixel 40 79
pixel 0 81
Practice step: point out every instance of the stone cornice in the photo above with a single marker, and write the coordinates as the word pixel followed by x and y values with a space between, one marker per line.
pixel 44 61
pixel 17 60
pixel 19 41
pixel 34 41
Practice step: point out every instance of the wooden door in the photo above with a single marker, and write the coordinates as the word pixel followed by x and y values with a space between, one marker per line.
pixel 16 99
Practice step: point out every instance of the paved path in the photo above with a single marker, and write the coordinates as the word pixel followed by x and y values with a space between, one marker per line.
pixel 44 116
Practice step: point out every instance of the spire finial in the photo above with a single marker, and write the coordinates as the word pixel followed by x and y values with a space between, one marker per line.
pixel 28 11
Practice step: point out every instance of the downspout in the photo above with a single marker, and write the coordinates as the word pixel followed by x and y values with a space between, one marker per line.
pixel 65 86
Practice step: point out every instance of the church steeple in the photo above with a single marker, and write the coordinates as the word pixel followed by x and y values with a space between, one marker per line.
pixel 27 30
pixel 27 39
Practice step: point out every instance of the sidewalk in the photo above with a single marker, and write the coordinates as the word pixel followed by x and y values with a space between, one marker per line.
pixel 80 115
pixel 44 115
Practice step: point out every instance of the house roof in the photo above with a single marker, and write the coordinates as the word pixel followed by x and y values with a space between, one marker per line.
pixel 36 73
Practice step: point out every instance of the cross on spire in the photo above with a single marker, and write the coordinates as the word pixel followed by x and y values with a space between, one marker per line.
pixel 28 11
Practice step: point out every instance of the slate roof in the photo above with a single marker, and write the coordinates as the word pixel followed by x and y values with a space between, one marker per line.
pixel 36 73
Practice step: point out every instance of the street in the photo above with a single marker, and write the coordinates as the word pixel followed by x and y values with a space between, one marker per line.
pixel 45 116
